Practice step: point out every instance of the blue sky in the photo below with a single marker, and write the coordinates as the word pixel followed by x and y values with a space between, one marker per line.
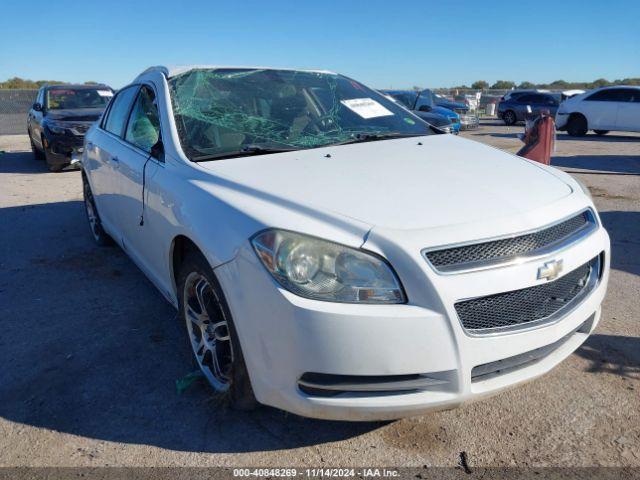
pixel 381 43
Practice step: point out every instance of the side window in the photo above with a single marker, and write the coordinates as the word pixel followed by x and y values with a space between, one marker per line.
pixel 603 96
pixel 143 128
pixel 119 111
pixel 628 95
pixel 526 99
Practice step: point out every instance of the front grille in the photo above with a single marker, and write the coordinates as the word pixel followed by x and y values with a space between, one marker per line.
pixel 492 252
pixel 533 305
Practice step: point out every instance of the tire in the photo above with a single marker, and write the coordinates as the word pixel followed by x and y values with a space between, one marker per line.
pixel 200 293
pixel 577 126
pixel 601 132
pixel 101 237
pixel 509 117
pixel 37 154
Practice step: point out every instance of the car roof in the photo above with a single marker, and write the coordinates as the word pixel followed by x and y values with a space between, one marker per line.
pixel 78 86
pixel 395 92
pixel 616 87
pixel 172 71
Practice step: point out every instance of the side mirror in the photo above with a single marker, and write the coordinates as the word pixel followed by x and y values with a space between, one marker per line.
pixel 424 108
pixel 157 151
pixel 37 107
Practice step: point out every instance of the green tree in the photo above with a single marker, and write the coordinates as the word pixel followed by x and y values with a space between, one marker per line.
pixel 503 85
pixel 480 85
pixel 601 82
pixel 526 85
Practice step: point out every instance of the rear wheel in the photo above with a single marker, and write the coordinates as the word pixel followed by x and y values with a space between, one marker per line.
pixel 577 126
pixel 101 237
pixel 211 331
pixel 601 132
pixel 509 117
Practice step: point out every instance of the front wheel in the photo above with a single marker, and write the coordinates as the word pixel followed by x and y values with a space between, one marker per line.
pixel 601 132
pixel 509 118
pixel 101 237
pixel 577 126
pixel 212 333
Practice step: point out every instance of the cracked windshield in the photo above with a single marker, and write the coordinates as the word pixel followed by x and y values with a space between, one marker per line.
pixel 233 112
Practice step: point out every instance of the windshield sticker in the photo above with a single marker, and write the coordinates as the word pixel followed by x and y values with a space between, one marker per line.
pixel 105 93
pixel 409 121
pixel 366 107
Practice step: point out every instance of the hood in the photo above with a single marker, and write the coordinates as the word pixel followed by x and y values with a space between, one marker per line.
pixel 452 105
pixel 407 183
pixel 444 111
pixel 75 115
pixel 433 118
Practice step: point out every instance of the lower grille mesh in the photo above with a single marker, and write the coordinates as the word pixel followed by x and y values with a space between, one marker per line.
pixel 533 304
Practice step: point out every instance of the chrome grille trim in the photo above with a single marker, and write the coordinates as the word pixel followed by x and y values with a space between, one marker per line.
pixel 517 243
pixel 321 384
pixel 504 312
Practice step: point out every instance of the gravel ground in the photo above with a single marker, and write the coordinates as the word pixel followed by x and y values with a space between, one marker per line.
pixel 90 353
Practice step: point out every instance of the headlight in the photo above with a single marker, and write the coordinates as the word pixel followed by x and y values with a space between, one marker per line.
pixel 57 128
pixel 323 270
pixel 584 188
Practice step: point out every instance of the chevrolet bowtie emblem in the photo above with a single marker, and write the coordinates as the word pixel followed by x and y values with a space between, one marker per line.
pixel 550 270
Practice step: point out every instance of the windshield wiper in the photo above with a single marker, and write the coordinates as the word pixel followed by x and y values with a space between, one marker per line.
pixel 373 137
pixel 243 152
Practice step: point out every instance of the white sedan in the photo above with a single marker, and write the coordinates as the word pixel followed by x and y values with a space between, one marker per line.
pixel 332 255
pixel 601 110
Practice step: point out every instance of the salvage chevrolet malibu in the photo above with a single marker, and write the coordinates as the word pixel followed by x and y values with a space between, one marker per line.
pixel 332 255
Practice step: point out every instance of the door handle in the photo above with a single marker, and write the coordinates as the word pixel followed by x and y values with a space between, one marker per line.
pixel 89 146
pixel 115 159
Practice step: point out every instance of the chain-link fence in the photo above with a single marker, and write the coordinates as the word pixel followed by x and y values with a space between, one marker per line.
pixel 14 106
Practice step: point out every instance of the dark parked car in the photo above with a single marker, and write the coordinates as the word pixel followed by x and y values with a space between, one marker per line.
pixel 517 108
pixel 422 106
pixel 60 117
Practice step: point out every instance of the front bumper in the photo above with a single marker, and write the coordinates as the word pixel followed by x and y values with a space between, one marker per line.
pixel 285 337
pixel 561 120
pixel 469 122
pixel 455 126
pixel 60 148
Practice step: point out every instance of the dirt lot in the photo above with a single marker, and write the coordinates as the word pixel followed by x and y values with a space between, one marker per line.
pixel 90 353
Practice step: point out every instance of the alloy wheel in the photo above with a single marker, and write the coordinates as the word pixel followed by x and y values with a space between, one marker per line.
pixel 89 206
pixel 208 331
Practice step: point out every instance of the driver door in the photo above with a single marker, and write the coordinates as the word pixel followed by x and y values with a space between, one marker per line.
pixel 137 169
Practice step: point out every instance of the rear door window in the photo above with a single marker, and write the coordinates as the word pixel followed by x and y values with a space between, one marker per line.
pixel 547 100
pixel 603 96
pixel 143 128
pixel 119 110
pixel 627 95
pixel 526 98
